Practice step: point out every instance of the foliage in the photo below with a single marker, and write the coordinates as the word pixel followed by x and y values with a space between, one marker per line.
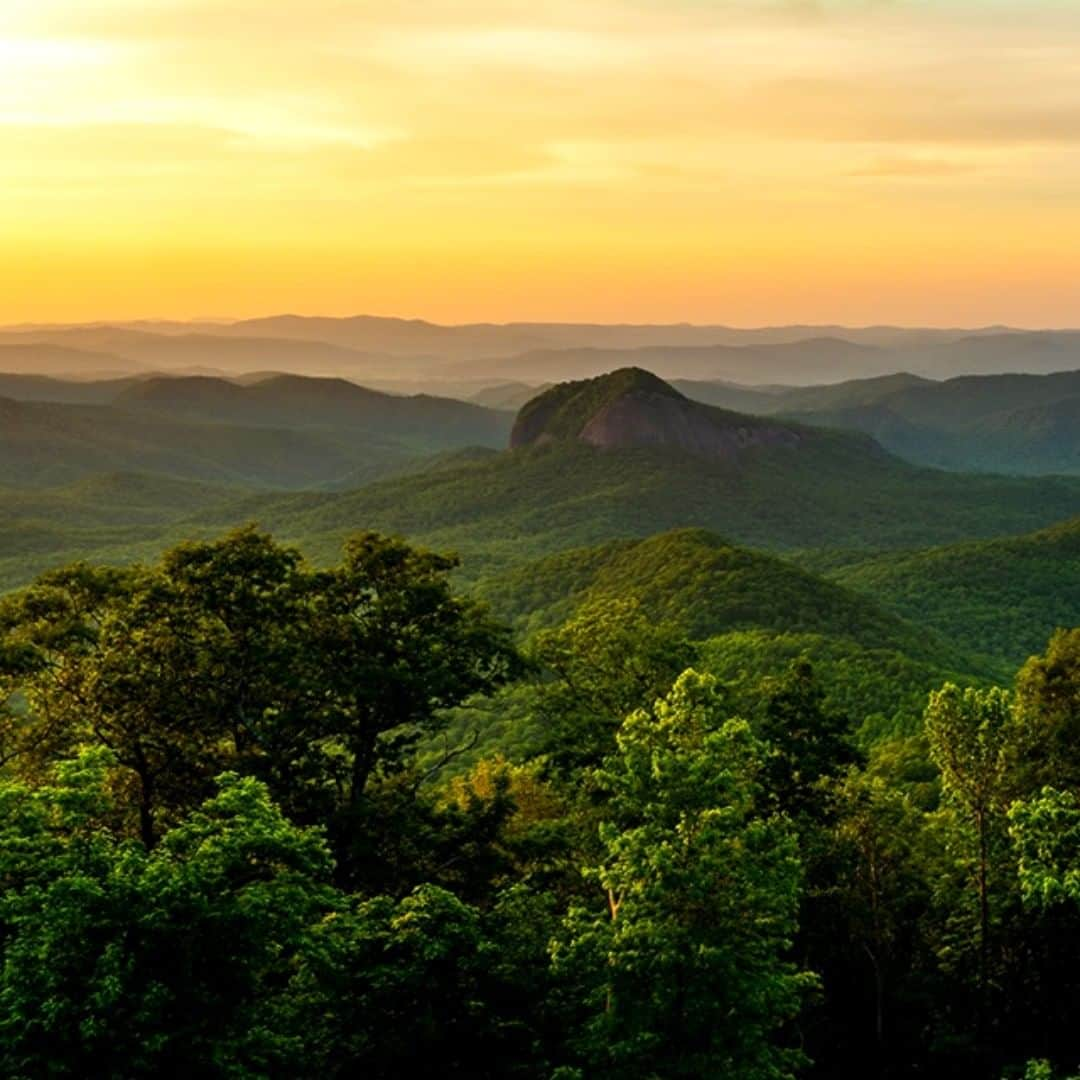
pixel 235 654
pixel 999 597
pixel 809 744
pixel 1046 832
pixel 124 962
pixel 681 977
pixel 607 661
pixel 706 587
pixel 1048 701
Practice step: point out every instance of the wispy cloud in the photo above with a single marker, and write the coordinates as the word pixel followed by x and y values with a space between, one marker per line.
pixel 916 168
pixel 683 134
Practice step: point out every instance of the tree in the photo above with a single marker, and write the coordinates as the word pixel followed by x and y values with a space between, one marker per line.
pixel 809 743
pixel 1046 833
pixel 119 961
pixel 417 979
pixel 227 952
pixel 236 654
pixel 114 658
pixel 601 665
pixel 1048 703
pixel 873 904
pixel 683 970
pixel 970 735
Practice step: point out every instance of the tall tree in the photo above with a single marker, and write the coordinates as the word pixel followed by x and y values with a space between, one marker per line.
pixel 970 733
pixel 809 743
pixel 683 969
pixel 1048 703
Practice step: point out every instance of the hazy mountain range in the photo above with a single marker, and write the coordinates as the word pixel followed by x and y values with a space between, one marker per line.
pixel 117 469
pixel 399 353
pixel 335 431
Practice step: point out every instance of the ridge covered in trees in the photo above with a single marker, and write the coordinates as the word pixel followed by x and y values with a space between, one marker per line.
pixel 238 839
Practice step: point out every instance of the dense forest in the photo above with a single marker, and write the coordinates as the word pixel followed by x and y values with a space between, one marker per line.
pixel 236 841
pixel 725 746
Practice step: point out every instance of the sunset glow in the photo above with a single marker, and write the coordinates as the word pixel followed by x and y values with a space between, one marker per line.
pixel 741 162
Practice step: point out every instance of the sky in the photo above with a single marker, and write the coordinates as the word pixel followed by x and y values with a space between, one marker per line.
pixel 745 162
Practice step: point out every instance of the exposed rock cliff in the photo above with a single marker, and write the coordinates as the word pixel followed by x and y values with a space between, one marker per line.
pixel 632 407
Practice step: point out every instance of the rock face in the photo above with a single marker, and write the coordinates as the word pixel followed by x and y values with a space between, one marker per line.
pixel 631 407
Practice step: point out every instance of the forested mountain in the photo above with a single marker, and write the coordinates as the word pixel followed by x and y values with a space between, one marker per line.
pixel 999 423
pixel 622 456
pixel 283 431
pixel 1003 597
pixel 46 444
pixel 64 391
pixel 248 760
pixel 270 816
pixel 769 484
pixel 299 402
pixel 754 613
pixel 698 582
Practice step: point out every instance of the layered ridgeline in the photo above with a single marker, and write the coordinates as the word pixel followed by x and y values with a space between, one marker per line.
pixel 280 431
pixel 627 455
pixel 1024 424
pixel 364 347
pixel 624 455
pixel 754 614
pixel 621 456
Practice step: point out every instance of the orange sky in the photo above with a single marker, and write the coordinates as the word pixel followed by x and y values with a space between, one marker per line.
pixel 746 162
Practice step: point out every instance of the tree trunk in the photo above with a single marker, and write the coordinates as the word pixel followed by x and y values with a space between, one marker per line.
pixel 984 920
pixel 363 765
pixel 147 831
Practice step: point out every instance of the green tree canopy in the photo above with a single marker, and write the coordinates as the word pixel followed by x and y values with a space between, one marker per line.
pixel 601 665
pixel 236 654
pixel 683 966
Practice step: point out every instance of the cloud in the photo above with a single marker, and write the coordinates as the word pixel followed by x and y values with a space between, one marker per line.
pixel 912 167
pixel 648 133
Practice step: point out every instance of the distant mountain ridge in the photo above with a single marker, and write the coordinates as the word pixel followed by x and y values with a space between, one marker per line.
pixel 303 401
pixel 371 347
pixel 554 490
pixel 283 431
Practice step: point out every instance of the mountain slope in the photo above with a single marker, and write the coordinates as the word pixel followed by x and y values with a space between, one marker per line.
pixel 1000 597
pixel 1022 424
pixel 302 402
pixel 633 408
pixel 755 614
pixel 284 431
pixel 822 489
pixel 63 391
pixel 45 444
pixel 706 586
pixel 113 517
